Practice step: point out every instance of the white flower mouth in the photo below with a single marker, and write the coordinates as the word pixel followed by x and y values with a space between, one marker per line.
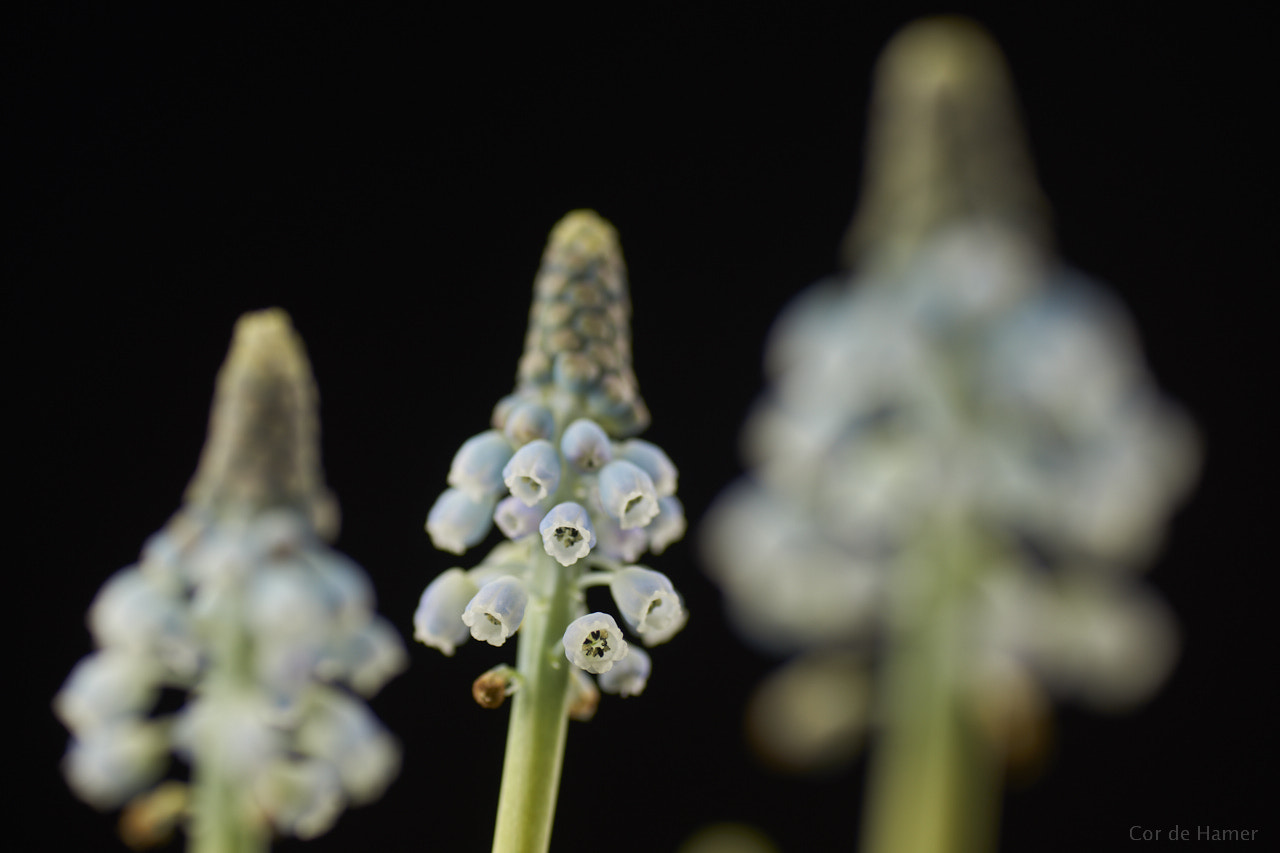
pixel 594 643
pixel 567 534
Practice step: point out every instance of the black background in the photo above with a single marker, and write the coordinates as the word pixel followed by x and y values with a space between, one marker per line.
pixel 388 174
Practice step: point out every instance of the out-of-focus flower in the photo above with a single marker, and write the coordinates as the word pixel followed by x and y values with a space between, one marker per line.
pixel 962 420
pixel 239 601
pixel 628 676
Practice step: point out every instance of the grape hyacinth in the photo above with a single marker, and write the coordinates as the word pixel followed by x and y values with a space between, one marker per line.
pixel 239 602
pixel 960 463
pixel 579 500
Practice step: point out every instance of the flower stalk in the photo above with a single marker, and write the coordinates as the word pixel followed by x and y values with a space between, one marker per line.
pixel 539 713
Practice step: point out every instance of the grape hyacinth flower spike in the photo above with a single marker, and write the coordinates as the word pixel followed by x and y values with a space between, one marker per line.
pixel 960 463
pixel 579 499
pixel 239 602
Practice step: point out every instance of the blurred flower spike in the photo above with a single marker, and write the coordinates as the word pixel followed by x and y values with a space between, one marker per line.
pixel 239 602
pixel 961 449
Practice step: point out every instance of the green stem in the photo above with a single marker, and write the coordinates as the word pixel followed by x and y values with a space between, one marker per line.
pixel 221 820
pixel 934 786
pixel 539 714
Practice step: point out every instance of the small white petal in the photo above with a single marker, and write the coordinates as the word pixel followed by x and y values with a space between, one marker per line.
pixel 374 656
pixel 343 731
pixel 649 603
pixel 303 796
pixel 516 519
pixel 438 619
pixel 653 461
pixel 477 466
pixel 668 526
pixel 104 686
pixel 625 546
pixel 456 522
pixel 534 472
pixel 630 675
pixel 526 422
pixel 627 494
pixel 237 726
pixel 594 643
pixel 497 610
pixel 111 763
pixel 586 445
pixel 567 533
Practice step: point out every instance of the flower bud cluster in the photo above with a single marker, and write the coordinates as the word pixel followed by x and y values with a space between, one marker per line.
pixel 558 473
pixel 239 602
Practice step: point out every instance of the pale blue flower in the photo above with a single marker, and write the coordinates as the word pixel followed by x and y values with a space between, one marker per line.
pixel 649 603
pixel 586 445
pixel 653 461
pixel 629 676
pixel 625 546
pixel 527 421
pixel 477 466
pixel 345 733
pixel 594 643
pixel 567 533
pixel 534 472
pixel 105 686
pixel 303 796
pixel 456 522
pixel 627 494
pixel 106 765
pixel 515 518
pixel 438 620
pixel 496 611
pixel 668 525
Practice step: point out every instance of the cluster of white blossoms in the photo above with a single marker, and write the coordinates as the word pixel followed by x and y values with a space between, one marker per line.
pixel 558 472
pixel 239 603
pixel 964 429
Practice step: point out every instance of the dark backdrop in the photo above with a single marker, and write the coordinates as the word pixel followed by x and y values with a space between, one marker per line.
pixel 388 174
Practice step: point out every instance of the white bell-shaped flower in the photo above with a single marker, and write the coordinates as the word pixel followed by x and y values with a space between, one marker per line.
pixel 438 620
pixel 629 676
pixel 303 796
pixel 627 494
pixel 477 466
pixel 515 519
pixel 527 421
pixel 456 522
pixel 107 685
pixel 343 731
pixel 668 525
pixel 586 445
pixel 594 643
pixel 534 472
pixel 567 534
pixel 654 461
pixel 497 610
pixel 108 764
pixel 649 603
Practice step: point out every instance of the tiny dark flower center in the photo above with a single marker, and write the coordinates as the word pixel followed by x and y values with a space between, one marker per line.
pixel 596 643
